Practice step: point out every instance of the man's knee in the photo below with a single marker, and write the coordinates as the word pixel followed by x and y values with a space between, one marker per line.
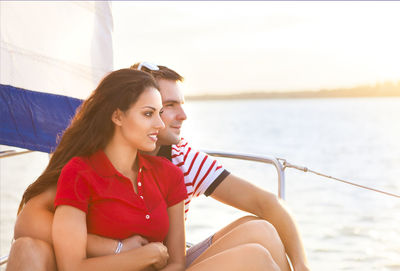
pixel 261 227
pixel 250 225
pixel 247 218
pixel 260 231
pixel 235 224
pixel 257 224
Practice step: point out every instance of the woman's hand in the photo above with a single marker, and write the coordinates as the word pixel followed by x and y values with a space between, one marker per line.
pixel 135 241
pixel 161 253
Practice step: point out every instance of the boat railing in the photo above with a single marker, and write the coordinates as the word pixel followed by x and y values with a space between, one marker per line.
pixel 3 259
pixel 280 169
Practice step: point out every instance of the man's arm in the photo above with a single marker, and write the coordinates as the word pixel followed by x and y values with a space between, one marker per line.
pixel 245 196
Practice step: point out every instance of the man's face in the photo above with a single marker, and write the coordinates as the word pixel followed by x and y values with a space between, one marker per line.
pixel 173 114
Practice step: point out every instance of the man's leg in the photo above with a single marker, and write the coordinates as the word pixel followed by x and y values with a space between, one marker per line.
pixel 31 254
pixel 243 257
pixel 233 225
pixel 196 250
pixel 248 231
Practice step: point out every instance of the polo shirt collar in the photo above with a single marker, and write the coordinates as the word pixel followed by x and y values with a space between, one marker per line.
pixel 101 164
pixel 144 161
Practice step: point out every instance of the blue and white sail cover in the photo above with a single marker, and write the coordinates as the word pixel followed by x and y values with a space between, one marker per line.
pixel 50 52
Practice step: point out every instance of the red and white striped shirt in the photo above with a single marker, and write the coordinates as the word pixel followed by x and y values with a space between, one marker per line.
pixel 202 173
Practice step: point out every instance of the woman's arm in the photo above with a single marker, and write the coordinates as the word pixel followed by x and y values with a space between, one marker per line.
pixel 102 246
pixel 175 240
pixel 70 241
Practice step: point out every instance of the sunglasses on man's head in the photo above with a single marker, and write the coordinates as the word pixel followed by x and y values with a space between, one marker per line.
pixel 147 65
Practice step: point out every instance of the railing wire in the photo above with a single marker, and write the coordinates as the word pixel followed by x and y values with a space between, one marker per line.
pixel 286 164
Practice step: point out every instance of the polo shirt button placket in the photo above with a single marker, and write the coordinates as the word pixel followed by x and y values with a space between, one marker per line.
pixel 140 183
pixel 140 190
pixel 139 177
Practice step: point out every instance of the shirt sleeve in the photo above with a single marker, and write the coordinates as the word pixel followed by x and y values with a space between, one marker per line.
pixel 200 170
pixel 72 187
pixel 176 186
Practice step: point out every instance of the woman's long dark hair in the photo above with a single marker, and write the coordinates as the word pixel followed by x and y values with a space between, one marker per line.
pixel 92 128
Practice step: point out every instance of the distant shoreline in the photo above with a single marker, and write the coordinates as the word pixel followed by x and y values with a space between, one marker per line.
pixel 379 90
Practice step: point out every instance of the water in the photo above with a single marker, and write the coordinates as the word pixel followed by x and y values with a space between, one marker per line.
pixel 343 227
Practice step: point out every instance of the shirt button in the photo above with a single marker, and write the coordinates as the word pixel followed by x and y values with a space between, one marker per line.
pixel 141 197
pixel 139 184
pixel 147 217
pixel 140 170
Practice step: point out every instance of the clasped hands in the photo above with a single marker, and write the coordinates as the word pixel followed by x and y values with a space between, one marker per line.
pixel 158 249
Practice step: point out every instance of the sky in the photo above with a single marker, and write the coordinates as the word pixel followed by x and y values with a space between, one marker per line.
pixel 232 47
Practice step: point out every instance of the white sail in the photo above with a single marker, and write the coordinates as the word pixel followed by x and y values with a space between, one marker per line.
pixel 62 47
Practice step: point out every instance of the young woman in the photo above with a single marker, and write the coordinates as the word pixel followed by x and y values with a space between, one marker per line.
pixel 106 187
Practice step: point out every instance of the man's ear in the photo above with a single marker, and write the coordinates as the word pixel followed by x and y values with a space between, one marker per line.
pixel 116 117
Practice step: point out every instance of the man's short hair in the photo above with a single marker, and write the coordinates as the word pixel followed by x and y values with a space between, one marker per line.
pixel 162 72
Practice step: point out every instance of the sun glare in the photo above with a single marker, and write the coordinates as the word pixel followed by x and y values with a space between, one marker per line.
pixel 239 46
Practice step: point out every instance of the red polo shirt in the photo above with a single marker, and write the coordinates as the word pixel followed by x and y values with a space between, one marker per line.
pixel 112 207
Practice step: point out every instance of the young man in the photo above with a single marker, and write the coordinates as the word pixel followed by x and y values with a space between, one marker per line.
pixel 203 175
pixel 32 249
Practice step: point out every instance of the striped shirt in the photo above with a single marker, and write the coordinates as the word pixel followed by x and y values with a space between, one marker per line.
pixel 202 173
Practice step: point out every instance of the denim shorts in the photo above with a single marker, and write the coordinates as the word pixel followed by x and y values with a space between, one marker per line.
pixel 195 251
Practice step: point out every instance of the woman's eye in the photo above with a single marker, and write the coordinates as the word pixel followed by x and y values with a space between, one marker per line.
pixel 148 114
pixel 161 111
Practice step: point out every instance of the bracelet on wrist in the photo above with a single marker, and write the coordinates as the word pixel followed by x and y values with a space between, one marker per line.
pixel 119 247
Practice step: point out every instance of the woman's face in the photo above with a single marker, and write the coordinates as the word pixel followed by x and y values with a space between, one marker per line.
pixel 140 124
